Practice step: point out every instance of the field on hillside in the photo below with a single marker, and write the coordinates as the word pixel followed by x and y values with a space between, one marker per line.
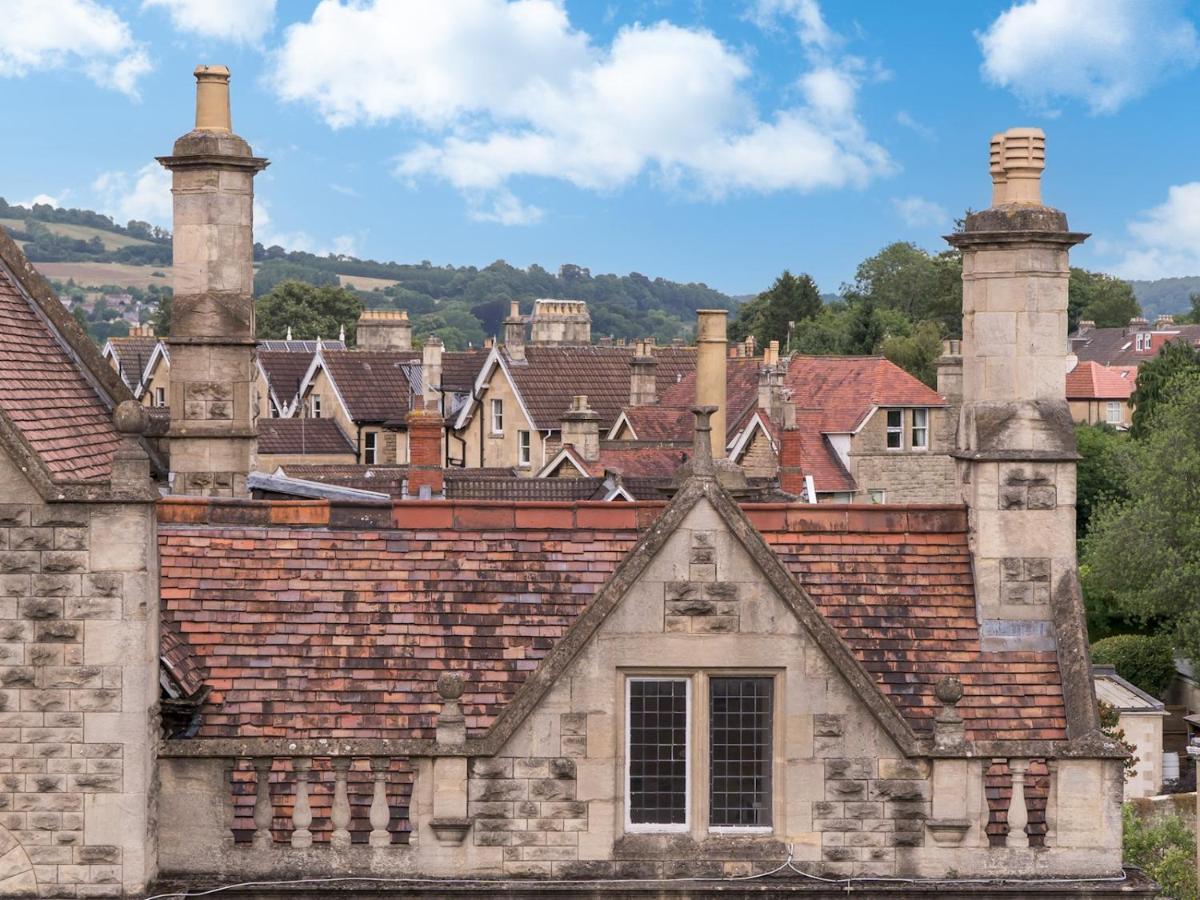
pixel 82 233
pixel 364 282
pixel 90 274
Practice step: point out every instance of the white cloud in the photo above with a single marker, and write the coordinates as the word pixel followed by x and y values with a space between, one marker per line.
pixel 1165 241
pixel 238 21
pixel 906 120
pixel 144 195
pixel 41 200
pixel 917 212
pixel 1101 52
pixel 300 241
pixel 78 34
pixel 805 15
pixel 509 90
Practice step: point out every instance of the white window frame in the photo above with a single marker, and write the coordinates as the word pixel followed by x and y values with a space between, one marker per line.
pixel 160 396
pixel 1113 415
pixel 688 751
pixel 370 448
pixel 497 417
pixel 923 428
pixel 524 448
pixel 876 495
pixel 890 429
pixel 314 406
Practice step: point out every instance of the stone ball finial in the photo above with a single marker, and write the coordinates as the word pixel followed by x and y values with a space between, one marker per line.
pixel 450 685
pixel 949 690
pixel 130 417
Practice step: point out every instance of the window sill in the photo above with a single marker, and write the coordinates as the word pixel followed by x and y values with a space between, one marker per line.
pixel 657 829
pixel 740 829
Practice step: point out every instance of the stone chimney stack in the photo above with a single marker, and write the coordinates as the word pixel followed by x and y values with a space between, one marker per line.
pixel 950 372
pixel 581 427
pixel 1163 322
pixel 643 380
pixel 560 323
pixel 384 329
pixel 514 333
pixel 431 371
pixel 1016 437
pixel 710 371
pixel 146 330
pixel 212 439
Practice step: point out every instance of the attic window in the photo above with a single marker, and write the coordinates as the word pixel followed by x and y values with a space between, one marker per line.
pixel 895 429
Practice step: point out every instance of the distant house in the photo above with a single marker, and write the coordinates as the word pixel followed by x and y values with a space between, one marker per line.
pixel 1141 718
pixel 1099 394
pixel 282 442
pixel 1129 345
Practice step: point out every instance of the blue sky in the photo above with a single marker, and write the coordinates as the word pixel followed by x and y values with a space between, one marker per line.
pixel 690 139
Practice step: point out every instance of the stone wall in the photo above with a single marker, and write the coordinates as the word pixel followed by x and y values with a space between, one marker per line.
pixel 906 475
pixel 78 691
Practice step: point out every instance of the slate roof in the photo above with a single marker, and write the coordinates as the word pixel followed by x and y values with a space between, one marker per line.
pixel 550 376
pixel 373 384
pixel 133 355
pixel 1093 381
pixel 337 632
pixel 45 395
pixel 1117 346
pixel 302 436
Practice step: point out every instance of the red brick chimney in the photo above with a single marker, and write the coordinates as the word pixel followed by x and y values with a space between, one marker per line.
pixel 791 454
pixel 425 478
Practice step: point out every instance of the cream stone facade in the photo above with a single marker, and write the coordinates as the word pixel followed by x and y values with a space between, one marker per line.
pixel 484 446
pixel 908 473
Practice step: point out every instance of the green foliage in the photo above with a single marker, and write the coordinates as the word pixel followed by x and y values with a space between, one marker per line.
pixel 905 278
pixel 1110 724
pixel 1165 848
pixel 1156 382
pixel 772 314
pixel 1145 660
pixel 310 312
pixel 276 271
pixel 160 319
pixel 1103 299
pixel 1103 472
pixel 1165 295
pixel 917 352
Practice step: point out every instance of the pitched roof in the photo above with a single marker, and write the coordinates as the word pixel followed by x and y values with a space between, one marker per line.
pixel 297 437
pixel 846 388
pixel 1118 347
pixel 132 355
pixel 1093 381
pixel 818 458
pixel 300 635
pixel 375 385
pixel 655 461
pixel 550 376
pixel 284 370
pixel 43 391
pixel 460 368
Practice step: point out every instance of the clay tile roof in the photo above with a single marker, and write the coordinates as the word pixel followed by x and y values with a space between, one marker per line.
pixel 551 376
pixel 846 388
pixel 819 459
pixel 741 396
pixel 460 368
pixel 1118 347
pixel 1092 381
pixel 133 354
pixel 373 383
pixel 319 632
pixel 284 369
pixel 296 437
pixel 656 461
pixel 47 398
pixel 661 423
pixel 390 479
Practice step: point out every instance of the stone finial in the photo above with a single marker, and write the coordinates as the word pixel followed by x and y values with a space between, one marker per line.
pixel 451 725
pixel 1023 157
pixel 702 458
pixel 130 418
pixel 212 99
pixel 948 728
pixel 130 463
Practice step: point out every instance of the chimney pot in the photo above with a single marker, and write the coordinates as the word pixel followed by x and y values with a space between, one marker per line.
pixel 212 99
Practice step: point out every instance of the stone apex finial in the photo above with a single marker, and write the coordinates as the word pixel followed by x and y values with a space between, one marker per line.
pixel 450 685
pixel 130 418
pixel 1016 160
pixel 212 99
pixel 702 457
pixel 948 690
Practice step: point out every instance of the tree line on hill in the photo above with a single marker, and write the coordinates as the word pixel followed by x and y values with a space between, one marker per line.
pixel 44 245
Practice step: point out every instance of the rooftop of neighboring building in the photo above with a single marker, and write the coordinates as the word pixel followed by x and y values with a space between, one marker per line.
pixel 375 385
pixel 132 354
pixel 1094 381
pixel 1128 345
pixel 302 437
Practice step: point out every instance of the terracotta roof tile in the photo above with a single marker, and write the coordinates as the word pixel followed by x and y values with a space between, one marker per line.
pixel 285 369
pixel 1093 381
pixel 133 355
pixel 46 396
pixel 551 376
pixel 373 383
pixel 296 437
pixel 312 632
pixel 846 388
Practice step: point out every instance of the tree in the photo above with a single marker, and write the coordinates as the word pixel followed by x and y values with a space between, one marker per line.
pixel 310 312
pixel 1156 379
pixel 160 319
pixel 917 353
pixel 1103 299
pixel 904 277
pixel 1144 552
pixel 768 316
pixel 1103 471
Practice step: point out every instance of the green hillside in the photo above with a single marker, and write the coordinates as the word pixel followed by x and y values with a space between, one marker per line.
pixel 1166 295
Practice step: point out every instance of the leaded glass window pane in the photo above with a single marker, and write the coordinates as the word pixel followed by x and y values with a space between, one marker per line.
pixel 658 713
pixel 740 752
